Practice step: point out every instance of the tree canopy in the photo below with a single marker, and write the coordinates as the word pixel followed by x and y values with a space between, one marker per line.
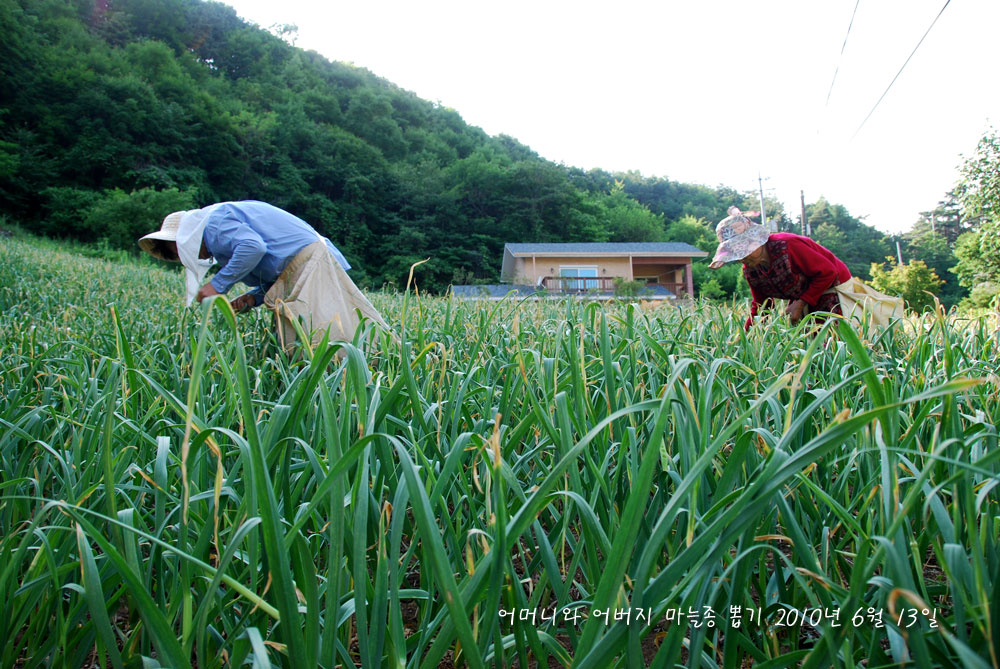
pixel 978 249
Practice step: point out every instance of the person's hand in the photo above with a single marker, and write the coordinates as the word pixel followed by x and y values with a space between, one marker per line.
pixel 795 310
pixel 243 303
pixel 208 290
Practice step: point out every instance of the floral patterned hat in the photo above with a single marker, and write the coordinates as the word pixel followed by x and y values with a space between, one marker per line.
pixel 739 236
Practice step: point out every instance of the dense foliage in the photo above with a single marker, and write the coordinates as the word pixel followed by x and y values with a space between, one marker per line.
pixel 175 492
pixel 979 190
pixel 114 114
pixel 914 281
pixel 978 250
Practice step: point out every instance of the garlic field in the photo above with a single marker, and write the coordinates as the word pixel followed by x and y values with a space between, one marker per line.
pixel 553 483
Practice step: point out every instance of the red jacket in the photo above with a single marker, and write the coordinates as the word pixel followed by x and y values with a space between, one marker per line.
pixel 821 269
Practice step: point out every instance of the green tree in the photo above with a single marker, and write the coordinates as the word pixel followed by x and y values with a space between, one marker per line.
pixel 932 239
pixel 978 254
pixel 628 221
pixel 121 218
pixel 933 249
pixel 370 117
pixel 978 251
pixel 914 281
pixel 694 231
pixel 830 236
pixel 979 188
pixel 945 219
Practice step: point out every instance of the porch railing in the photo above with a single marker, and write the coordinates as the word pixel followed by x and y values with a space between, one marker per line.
pixel 599 285
pixel 583 284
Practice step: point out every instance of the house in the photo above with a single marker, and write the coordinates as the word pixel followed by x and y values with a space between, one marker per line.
pixel 592 269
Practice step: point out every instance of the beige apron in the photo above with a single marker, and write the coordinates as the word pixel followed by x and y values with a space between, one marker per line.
pixel 315 288
pixel 856 298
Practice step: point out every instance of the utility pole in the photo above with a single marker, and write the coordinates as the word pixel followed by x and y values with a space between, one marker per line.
pixel 760 186
pixel 802 199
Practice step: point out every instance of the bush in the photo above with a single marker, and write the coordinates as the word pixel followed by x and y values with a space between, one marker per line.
pixel 66 210
pixel 626 288
pixel 113 217
pixel 983 295
pixel 711 290
pixel 121 218
pixel 914 281
pixel 729 279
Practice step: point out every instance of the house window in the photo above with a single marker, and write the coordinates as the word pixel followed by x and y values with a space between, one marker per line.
pixel 579 271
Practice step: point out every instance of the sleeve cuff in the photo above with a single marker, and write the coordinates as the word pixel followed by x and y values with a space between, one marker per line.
pixel 812 300
pixel 220 285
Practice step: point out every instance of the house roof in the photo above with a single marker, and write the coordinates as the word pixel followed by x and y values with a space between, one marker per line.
pixel 607 248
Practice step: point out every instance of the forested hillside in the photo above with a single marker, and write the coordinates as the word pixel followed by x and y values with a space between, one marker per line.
pixel 116 112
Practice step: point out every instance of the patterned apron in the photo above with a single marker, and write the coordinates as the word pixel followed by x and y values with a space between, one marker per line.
pixel 781 280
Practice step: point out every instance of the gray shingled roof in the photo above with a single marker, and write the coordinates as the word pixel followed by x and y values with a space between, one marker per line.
pixel 606 247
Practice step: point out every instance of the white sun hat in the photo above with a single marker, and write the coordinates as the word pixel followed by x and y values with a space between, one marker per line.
pixel 185 228
pixel 167 233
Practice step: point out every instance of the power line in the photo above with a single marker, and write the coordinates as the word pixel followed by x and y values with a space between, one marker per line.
pixel 947 2
pixel 849 26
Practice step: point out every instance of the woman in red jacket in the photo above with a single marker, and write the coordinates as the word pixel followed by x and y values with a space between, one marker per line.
pixel 781 266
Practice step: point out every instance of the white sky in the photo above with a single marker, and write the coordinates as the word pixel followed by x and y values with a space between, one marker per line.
pixel 703 91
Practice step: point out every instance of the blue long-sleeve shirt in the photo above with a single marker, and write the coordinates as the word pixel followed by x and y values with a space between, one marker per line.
pixel 254 242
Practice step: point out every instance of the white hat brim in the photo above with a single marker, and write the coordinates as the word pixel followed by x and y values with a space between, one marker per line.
pixel 147 245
